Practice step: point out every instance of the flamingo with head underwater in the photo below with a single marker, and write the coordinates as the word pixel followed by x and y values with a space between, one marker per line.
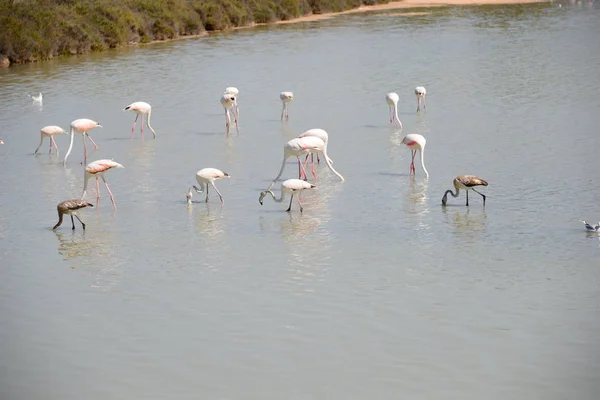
pixel 97 169
pixel 466 183
pixel 145 110
pixel 82 126
pixel 290 186
pixel 421 92
pixel 392 99
pixel 286 98
pixel 415 142
pixel 205 177
pixel 49 132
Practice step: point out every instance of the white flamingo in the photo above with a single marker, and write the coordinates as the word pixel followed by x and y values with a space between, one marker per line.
pixel 49 132
pixel 286 98
pixel 145 110
pixel 392 99
pixel 235 92
pixel 415 142
pixel 82 126
pixel 229 104
pixel 97 169
pixel 207 176
pixel 421 92
pixel 291 186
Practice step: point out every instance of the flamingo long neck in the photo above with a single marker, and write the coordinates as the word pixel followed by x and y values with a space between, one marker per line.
pixel 285 157
pixel 423 164
pixel 281 196
pixel 60 220
pixel 70 146
pixel 328 162
pixel 149 126
pixel 41 141
pixel 396 115
pixel 449 191
pixel 86 178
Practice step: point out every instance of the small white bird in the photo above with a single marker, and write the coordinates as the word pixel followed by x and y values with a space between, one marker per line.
pixel 286 98
pixel 291 186
pixel 591 228
pixel 37 98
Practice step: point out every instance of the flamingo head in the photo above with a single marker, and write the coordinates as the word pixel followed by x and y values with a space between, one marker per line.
pixel 263 194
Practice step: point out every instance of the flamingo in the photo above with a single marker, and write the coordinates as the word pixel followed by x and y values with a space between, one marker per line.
pixel 591 228
pixel 38 98
pixel 415 142
pixel 228 101
pixel 420 92
pixel 291 186
pixel 465 182
pixel 49 132
pixel 143 109
pixel 82 126
pixel 303 146
pixel 235 92
pixel 1 141
pixel 98 168
pixel 286 98
pixel 321 134
pixel 392 100
pixel 204 177
pixel 70 207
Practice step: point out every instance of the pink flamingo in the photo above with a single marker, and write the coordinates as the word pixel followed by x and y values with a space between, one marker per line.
pixel 143 109
pixel 415 142
pixel 207 176
pixel 229 103
pixel 49 132
pixel 97 169
pixel 392 100
pixel 70 207
pixel 286 98
pixel 82 126
pixel 421 92
pixel 291 186
pixel 321 134
pixel 299 147
pixel 235 92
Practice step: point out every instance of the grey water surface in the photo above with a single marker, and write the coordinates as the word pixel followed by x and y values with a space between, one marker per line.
pixel 374 291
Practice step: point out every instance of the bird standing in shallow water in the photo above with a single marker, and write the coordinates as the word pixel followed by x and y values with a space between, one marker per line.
pixel 82 126
pixel 207 176
pixel 143 109
pixel 70 207
pixel 286 98
pixel 415 142
pixel 229 103
pixel 392 100
pixel 235 92
pixel 49 132
pixel 591 228
pixel 98 168
pixel 465 182
pixel 291 186
pixel 421 92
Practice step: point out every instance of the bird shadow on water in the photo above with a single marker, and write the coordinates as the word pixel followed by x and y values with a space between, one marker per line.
pixel 206 218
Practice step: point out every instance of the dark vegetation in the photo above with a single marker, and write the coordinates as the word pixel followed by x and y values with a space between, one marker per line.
pixel 32 30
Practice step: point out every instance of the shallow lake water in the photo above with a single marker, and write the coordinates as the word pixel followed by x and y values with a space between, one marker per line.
pixel 375 290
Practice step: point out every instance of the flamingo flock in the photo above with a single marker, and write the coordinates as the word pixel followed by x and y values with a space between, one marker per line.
pixel 312 142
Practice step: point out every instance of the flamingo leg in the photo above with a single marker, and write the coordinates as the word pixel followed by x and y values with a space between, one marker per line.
pixel 91 140
pixel 142 127
pixel 299 203
pixel 313 172
pixel 97 191
pixel 112 198
pixel 53 143
pixel 282 112
pixel 290 207
pixel 418 104
pixel 206 199
pixel 303 170
pixel 481 194
pixel 300 167
pixel 467 197
pixel 84 148
pixel 227 120
pixel 82 224
pixel 50 149
pixel 219 193
pixel 424 103
pixel 133 126
pixel 412 163
pixel 72 222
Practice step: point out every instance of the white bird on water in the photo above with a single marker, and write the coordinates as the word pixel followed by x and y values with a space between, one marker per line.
pixel 38 98
pixel 591 228
pixel 291 186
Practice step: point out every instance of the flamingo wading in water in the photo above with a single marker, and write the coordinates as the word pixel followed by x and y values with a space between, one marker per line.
pixel 304 146
pixel 82 126
pixel 415 142
pixel 321 134
pixel 235 92
pixel 392 101
pixel 421 92
pixel 49 132
pixel 291 186
pixel 286 98
pixel 145 110
pixel 70 207
pixel 207 176
pixel 97 169
pixel 229 103
pixel 465 182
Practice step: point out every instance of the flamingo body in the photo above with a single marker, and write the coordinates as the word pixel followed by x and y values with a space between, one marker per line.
pixel 70 207
pixel 229 103
pixel 421 92
pixel 466 183
pixel 82 125
pixel 49 132
pixel 205 177
pixel 290 186
pixel 97 169
pixel 145 110
pixel 416 142
pixel 392 99
pixel 235 92
pixel 321 134
pixel 286 98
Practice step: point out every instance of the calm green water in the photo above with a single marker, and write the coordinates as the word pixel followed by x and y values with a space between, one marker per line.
pixel 375 290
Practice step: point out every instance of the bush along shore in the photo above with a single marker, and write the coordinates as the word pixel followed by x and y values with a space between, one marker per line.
pixel 32 30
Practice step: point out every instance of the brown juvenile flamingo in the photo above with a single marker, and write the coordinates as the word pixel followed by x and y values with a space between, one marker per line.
pixel 97 169
pixel 70 207
pixel 465 182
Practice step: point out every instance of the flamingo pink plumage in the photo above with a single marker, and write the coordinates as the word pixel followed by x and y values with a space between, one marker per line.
pixel 82 126
pixel 415 142
pixel 49 132
pixel 144 109
pixel 97 169
pixel 392 99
